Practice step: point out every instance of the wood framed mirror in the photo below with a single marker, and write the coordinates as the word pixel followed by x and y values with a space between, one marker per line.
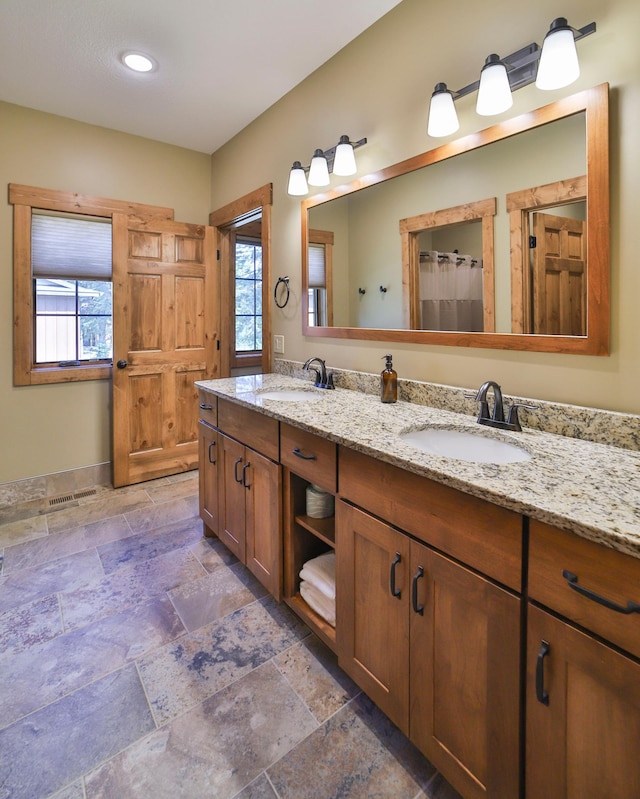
pixel 533 166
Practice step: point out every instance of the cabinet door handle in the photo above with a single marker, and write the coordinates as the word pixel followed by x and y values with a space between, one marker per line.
pixel 392 577
pixel 211 445
pixel 419 609
pixel 297 452
pixel 572 582
pixel 235 471
pixel 244 475
pixel 541 694
pixel 205 407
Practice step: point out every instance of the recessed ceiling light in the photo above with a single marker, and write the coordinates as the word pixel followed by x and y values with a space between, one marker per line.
pixel 138 62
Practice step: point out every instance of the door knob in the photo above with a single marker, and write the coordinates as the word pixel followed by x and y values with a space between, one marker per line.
pixel 122 364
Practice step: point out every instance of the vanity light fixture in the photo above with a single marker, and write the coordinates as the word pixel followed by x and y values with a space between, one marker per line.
pixel 552 66
pixel 338 159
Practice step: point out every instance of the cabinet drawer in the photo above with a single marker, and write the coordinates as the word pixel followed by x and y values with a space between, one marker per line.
pixel 250 427
pixel 316 460
pixel 208 407
pixel 601 571
pixel 484 536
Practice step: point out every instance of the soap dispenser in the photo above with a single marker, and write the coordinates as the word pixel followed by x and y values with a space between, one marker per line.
pixel 388 382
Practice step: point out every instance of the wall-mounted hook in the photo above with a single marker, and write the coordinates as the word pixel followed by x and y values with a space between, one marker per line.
pixel 383 289
pixel 362 291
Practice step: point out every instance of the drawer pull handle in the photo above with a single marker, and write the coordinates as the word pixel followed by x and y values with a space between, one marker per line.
pixel 299 454
pixel 211 445
pixel 244 475
pixel 235 471
pixel 572 582
pixel 392 577
pixel 541 694
pixel 205 407
pixel 419 609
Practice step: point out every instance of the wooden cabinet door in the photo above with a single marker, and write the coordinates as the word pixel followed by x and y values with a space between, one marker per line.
pixel 232 518
pixel 583 715
pixel 263 492
pixel 372 624
pixel 465 675
pixel 208 477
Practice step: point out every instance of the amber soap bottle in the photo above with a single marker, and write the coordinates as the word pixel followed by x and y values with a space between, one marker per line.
pixel 388 382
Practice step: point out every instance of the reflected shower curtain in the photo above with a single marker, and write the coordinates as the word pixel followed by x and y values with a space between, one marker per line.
pixel 450 292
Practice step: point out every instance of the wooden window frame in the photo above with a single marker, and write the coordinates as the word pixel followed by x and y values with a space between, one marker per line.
pixel 24 199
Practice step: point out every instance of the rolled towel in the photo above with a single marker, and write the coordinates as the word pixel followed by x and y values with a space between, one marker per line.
pixel 321 573
pixel 317 601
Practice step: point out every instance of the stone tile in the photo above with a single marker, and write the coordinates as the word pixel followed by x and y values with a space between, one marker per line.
pixel 176 490
pixel 75 659
pixel 144 546
pixel 214 750
pixel 128 586
pixel 358 753
pixel 202 601
pixel 22 491
pixel 29 625
pixel 312 670
pixel 15 532
pixel 58 744
pixel 50 547
pixel 213 554
pixel 439 788
pixel 188 671
pixel 107 505
pixel 260 788
pixel 115 528
pixel 75 791
pixel 70 573
pixel 178 478
pixel 154 516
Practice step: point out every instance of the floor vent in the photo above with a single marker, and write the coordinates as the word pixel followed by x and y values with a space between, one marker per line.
pixel 88 492
pixel 60 500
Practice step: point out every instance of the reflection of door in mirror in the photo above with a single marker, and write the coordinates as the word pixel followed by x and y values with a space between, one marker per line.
pixel 548 258
pixel 448 270
pixel 320 278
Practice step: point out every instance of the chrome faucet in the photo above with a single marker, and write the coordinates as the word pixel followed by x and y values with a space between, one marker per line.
pixel 322 379
pixel 496 419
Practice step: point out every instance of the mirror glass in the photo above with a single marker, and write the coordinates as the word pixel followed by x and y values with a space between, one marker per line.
pixel 406 241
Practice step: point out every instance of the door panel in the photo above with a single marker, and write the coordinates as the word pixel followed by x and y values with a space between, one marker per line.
pixel 232 520
pixel 263 489
pixel 165 331
pixel 208 477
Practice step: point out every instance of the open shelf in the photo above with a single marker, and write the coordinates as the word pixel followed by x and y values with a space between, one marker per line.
pixel 324 529
pixel 313 620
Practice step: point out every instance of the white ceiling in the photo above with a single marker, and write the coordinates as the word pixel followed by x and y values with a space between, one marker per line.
pixel 221 62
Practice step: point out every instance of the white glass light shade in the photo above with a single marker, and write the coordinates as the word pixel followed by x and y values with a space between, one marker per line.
pixel 138 62
pixel 344 162
pixel 558 65
pixel 494 92
pixel 319 170
pixel 297 181
pixel 443 119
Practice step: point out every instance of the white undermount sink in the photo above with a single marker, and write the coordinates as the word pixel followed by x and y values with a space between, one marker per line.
pixel 465 445
pixel 290 395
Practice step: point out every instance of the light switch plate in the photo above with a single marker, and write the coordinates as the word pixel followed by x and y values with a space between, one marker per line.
pixel 278 345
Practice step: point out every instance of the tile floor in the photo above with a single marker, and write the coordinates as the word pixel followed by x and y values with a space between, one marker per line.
pixel 139 659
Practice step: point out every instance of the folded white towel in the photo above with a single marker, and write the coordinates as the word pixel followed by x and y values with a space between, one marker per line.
pixel 317 601
pixel 321 573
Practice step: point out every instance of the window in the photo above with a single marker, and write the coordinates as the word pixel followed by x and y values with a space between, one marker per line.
pixel 248 300
pixel 71 271
pixel 62 283
pixel 320 300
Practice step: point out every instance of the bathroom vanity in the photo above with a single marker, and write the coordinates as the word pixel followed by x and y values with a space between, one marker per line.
pixel 489 610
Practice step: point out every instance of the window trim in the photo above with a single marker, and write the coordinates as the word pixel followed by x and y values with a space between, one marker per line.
pixel 25 198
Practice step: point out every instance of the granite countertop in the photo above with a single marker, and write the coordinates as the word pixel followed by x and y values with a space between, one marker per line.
pixel 590 489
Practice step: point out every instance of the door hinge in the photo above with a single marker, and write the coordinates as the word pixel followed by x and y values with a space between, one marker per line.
pixel 533 243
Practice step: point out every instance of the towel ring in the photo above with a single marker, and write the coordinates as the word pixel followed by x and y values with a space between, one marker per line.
pixel 285 293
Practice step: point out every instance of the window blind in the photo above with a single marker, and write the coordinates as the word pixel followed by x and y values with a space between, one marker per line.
pixel 70 247
pixel 317 270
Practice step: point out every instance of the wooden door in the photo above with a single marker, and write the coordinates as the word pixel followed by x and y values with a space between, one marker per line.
pixel 465 676
pixel 231 501
pixel 582 739
pixel 263 502
pixel 165 330
pixel 372 625
pixel 559 276
pixel 208 477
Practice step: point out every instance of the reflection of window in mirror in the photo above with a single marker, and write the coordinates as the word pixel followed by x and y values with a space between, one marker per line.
pixel 246 333
pixel 549 258
pixel 320 287
pixel 448 275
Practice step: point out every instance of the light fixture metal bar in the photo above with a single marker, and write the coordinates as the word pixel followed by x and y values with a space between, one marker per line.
pixel 521 69
pixel 330 154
